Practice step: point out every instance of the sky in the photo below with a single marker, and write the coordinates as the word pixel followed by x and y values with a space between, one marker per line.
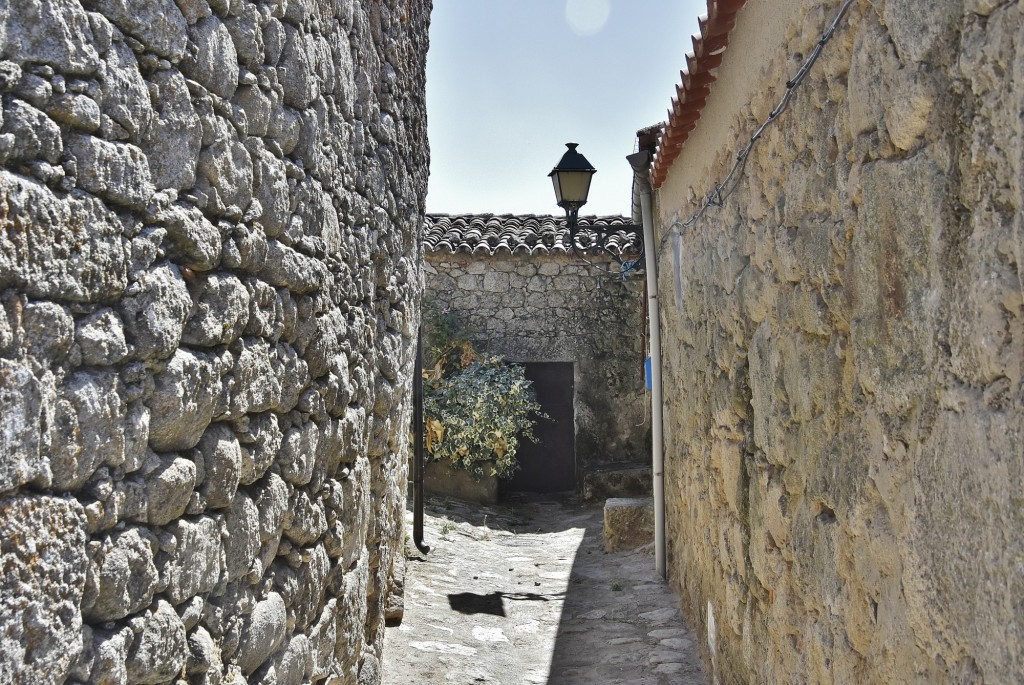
pixel 509 82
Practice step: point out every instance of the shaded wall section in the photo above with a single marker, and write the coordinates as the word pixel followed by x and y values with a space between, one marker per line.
pixel 209 279
pixel 843 349
pixel 554 308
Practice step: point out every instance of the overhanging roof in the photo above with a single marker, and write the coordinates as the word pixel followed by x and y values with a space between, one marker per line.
pixel 695 82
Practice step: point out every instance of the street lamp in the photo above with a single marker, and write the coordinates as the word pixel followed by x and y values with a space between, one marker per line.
pixel 571 180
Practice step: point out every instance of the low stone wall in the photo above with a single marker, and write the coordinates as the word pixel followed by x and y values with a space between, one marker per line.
pixel 556 308
pixel 209 279
pixel 843 350
pixel 441 479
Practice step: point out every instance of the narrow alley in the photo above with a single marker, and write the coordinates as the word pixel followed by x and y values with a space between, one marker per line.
pixel 523 593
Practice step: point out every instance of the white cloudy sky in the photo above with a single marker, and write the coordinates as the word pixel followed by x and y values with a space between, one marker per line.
pixel 509 82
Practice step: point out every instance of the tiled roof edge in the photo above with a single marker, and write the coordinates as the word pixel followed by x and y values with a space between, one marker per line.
pixel 513 234
pixel 695 82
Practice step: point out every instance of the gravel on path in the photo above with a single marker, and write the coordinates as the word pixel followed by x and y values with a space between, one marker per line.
pixel 523 593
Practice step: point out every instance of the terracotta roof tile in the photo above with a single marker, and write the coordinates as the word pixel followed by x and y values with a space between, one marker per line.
pixel 515 234
pixel 694 86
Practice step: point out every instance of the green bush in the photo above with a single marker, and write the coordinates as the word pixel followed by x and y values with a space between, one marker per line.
pixel 475 408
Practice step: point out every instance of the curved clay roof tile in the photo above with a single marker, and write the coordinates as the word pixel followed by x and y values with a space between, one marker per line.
pixel 515 234
pixel 693 89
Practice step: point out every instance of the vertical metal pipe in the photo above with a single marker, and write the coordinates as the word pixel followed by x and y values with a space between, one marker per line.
pixel 641 161
pixel 657 425
pixel 417 469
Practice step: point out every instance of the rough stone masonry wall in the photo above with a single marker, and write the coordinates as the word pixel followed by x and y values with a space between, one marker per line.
pixel 844 347
pixel 209 216
pixel 556 308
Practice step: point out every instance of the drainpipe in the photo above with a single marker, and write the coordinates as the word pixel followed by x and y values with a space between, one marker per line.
pixel 641 162
pixel 417 469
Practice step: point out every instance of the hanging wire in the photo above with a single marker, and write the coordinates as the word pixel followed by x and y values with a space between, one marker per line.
pixel 728 185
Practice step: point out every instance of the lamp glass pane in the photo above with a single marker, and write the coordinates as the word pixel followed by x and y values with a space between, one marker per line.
pixel 558 189
pixel 575 186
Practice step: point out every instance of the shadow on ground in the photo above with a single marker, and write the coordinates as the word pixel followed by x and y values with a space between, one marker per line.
pixel 522 592
pixel 494 603
pixel 515 513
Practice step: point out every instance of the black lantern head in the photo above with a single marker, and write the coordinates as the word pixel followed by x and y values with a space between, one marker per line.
pixel 571 179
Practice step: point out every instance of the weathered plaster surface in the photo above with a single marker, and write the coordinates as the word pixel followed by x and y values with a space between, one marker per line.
pixel 557 308
pixel 209 292
pixel 844 345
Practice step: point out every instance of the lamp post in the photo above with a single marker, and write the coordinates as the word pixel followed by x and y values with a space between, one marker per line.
pixel 571 179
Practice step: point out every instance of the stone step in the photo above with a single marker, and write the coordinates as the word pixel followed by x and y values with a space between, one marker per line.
pixel 628 523
pixel 617 480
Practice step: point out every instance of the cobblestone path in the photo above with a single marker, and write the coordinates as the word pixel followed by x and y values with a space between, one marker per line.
pixel 523 593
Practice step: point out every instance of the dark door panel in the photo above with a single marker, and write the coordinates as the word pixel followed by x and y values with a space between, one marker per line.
pixel 550 464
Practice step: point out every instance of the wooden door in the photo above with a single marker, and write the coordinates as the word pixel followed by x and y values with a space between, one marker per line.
pixel 549 465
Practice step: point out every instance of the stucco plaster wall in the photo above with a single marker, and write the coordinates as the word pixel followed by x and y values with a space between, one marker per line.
pixel 209 292
pixel 554 308
pixel 843 351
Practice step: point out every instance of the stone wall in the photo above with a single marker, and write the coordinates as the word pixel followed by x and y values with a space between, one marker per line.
pixel 209 216
pixel 843 346
pixel 556 308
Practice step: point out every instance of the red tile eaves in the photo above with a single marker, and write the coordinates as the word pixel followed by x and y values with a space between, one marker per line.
pixel 694 86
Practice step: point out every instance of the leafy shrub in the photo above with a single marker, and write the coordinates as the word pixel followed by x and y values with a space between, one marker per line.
pixel 475 408
pixel 448 345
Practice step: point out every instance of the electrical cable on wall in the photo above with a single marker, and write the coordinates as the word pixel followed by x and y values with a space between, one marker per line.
pixel 728 185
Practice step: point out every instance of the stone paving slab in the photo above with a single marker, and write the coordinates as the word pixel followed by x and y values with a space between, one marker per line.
pixel 523 593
